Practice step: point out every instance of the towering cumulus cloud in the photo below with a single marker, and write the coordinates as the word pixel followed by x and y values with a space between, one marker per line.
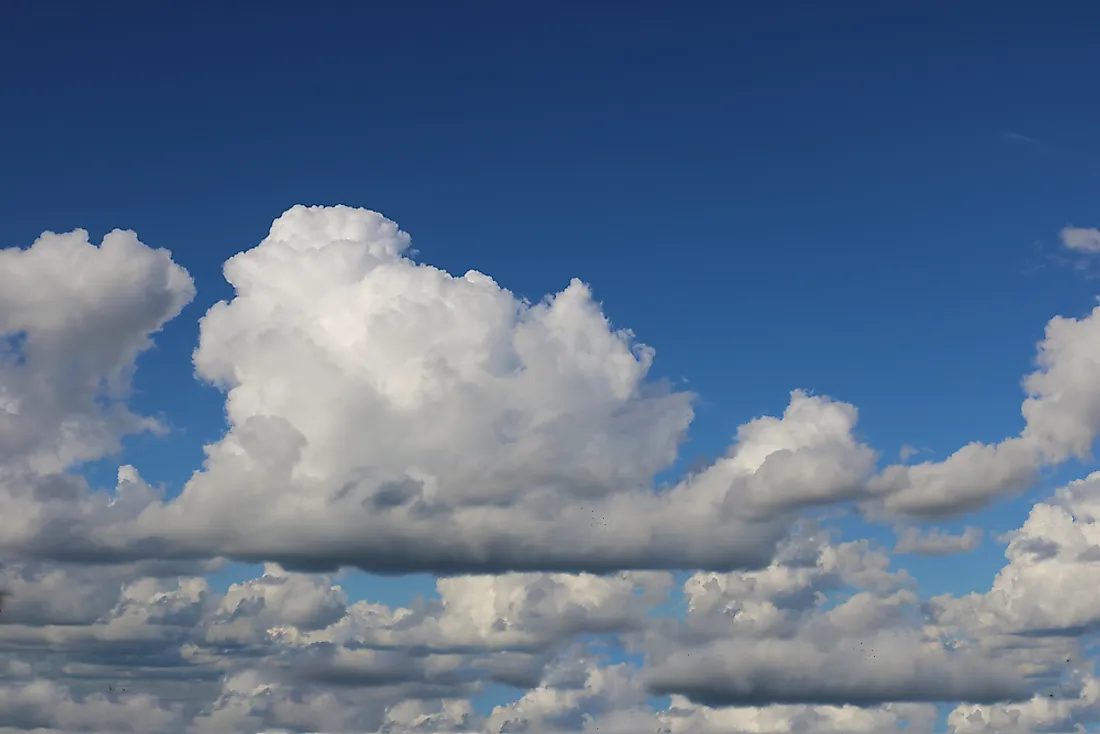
pixel 387 415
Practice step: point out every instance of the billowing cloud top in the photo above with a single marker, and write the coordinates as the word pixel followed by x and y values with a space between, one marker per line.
pixel 387 415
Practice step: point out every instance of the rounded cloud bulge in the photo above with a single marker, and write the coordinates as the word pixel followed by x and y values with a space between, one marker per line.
pixel 385 414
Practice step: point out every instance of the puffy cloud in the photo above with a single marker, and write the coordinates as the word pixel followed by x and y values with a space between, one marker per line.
pixel 1041 713
pixel 970 478
pixel 574 697
pixel 807 457
pixel 777 636
pixel 684 717
pixel 1051 583
pixel 825 639
pixel 73 319
pixel 1081 239
pixel 1062 415
pixel 287 651
pixel 42 705
pixel 1063 407
pixel 518 612
pixel 388 415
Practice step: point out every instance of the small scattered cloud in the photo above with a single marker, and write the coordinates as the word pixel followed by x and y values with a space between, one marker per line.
pixel 1081 239
pixel 907 452
pixel 935 542
pixel 1017 138
pixel 1013 137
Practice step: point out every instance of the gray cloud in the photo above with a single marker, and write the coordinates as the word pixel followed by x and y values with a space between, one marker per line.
pixel 935 542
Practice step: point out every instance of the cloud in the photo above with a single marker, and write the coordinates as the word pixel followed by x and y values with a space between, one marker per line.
pixel 826 638
pixel 688 718
pixel 768 637
pixel 390 416
pixel 1081 239
pixel 73 319
pixel 907 452
pixel 1062 419
pixel 1047 585
pixel 517 612
pixel 1037 714
pixel 386 415
pixel 936 542
pixel 41 705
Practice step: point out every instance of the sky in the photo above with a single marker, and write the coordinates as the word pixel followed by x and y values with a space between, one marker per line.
pixel 499 367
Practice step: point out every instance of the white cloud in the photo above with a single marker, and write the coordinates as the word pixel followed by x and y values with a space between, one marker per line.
pixel 685 717
pixel 74 317
pixel 1062 419
pixel 825 639
pixel 1038 714
pixel 388 415
pixel 1081 239
pixel 754 638
pixel 1052 580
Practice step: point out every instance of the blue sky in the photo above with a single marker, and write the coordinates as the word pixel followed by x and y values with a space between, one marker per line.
pixel 859 199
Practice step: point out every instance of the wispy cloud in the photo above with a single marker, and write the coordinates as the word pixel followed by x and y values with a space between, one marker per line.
pixel 1077 249
pixel 1016 138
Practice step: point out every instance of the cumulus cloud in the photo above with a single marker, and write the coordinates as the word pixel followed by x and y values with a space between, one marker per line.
pixel 517 612
pixel 286 651
pixel 73 319
pixel 827 638
pixel 1062 418
pixel 390 416
pixel 386 415
pixel 1038 714
pixel 1081 239
pixel 157 660
pixel 769 636
pixel 1049 584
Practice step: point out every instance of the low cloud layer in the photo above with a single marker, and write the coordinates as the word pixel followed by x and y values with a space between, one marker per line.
pixel 826 638
pixel 386 416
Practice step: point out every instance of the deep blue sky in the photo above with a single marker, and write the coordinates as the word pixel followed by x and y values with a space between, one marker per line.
pixel 859 198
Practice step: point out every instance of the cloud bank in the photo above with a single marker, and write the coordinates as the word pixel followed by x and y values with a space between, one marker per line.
pixel 386 416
